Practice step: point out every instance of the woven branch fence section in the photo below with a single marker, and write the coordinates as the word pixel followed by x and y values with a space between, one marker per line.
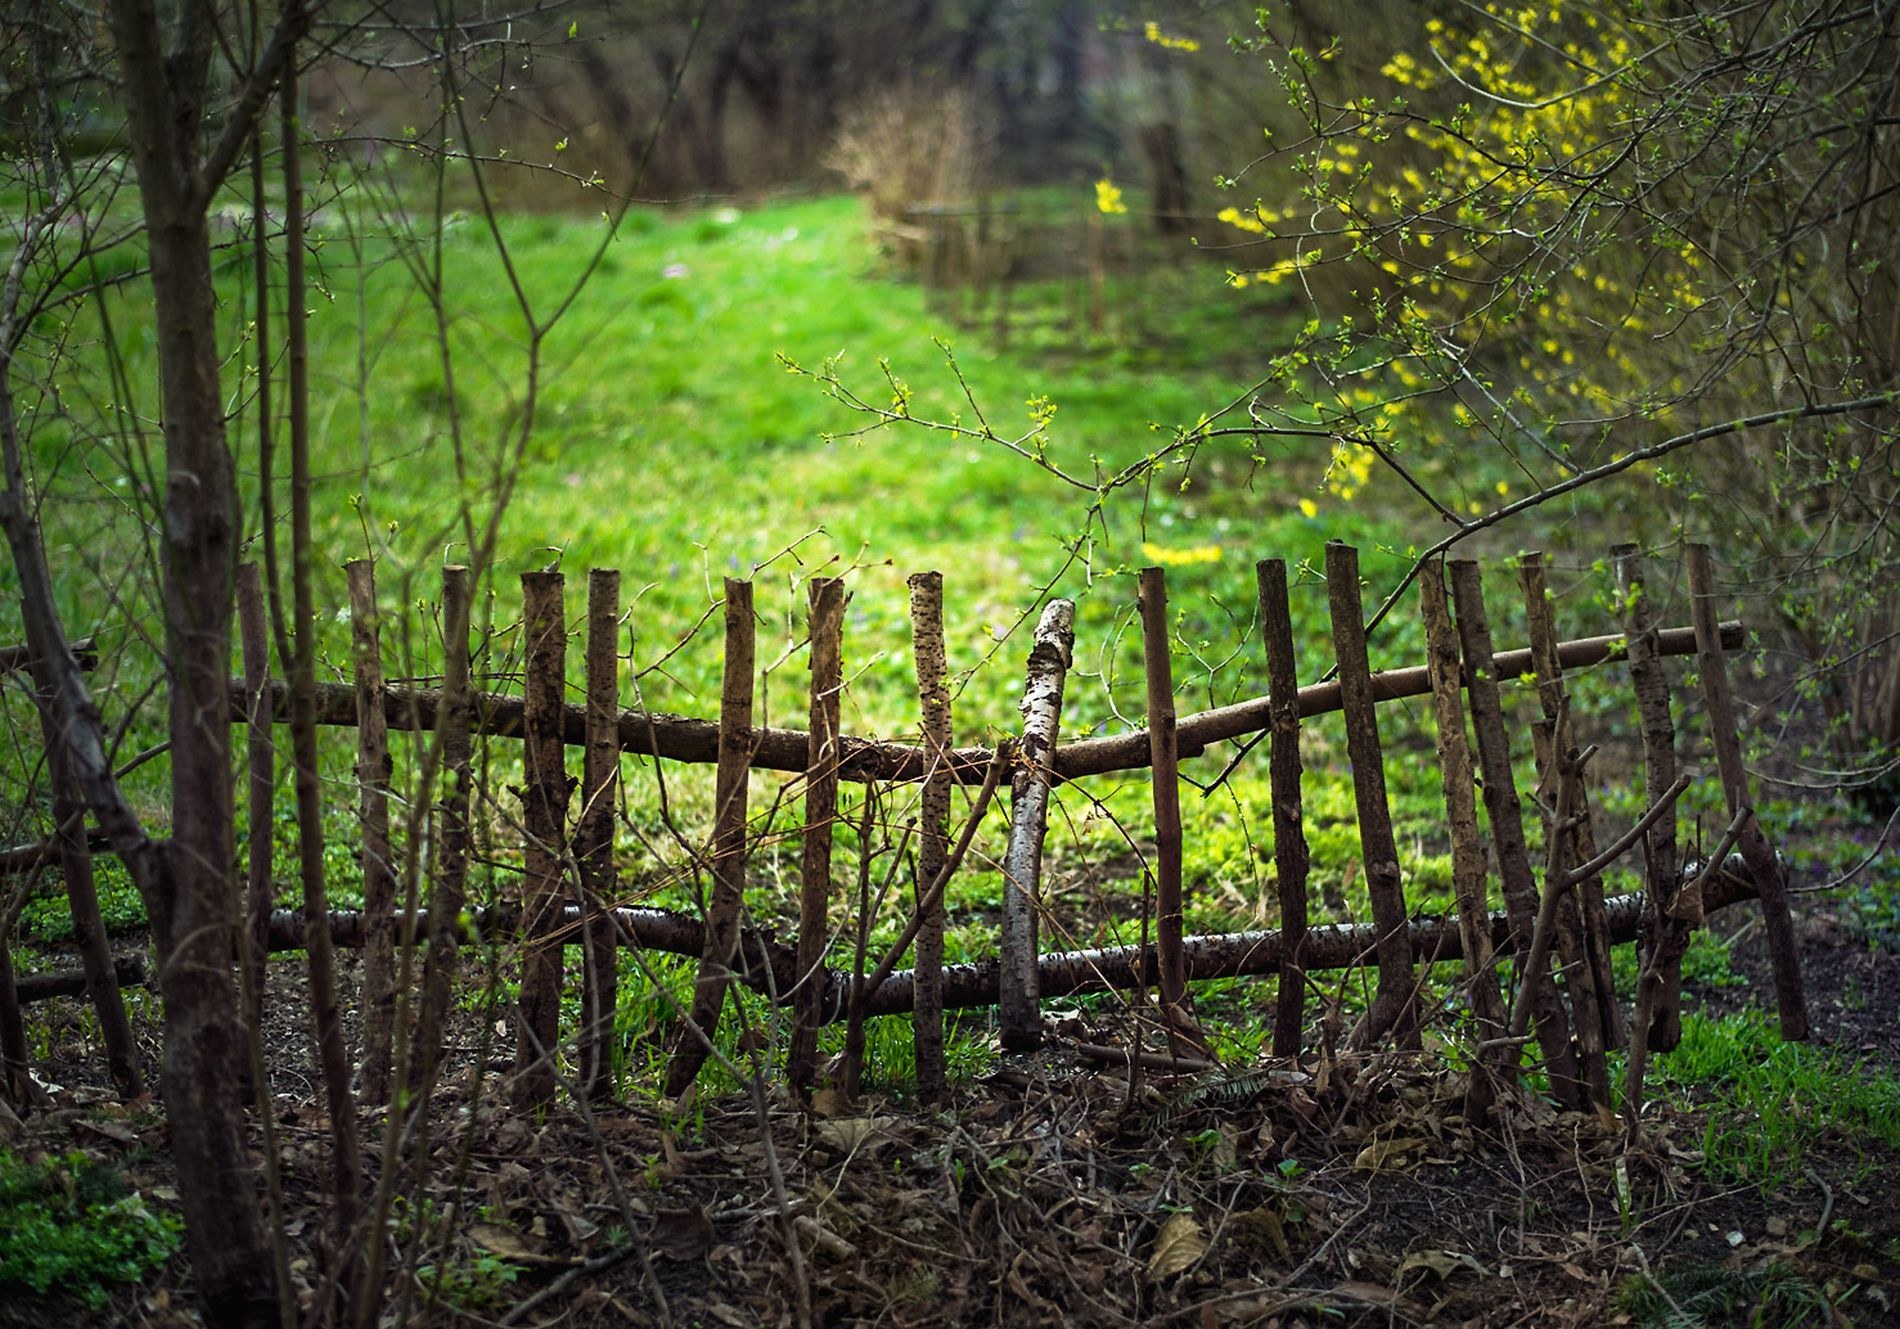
pixel 1556 924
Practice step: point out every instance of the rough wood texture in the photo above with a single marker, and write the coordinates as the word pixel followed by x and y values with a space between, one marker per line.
pixel 1790 999
pixel 1290 858
pixel 1157 665
pixel 1019 1012
pixel 17 1084
pixel 1561 779
pixel 933 834
pixel 1482 671
pixel 1395 1007
pixel 681 738
pixel 729 843
pixel 770 964
pixel 544 796
pixel 449 879
pixel 1676 915
pixel 1467 852
pixel 827 601
pixel 374 771
pixel 594 835
pixel 260 758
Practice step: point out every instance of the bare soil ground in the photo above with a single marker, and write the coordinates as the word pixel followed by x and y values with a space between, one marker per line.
pixel 1340 1191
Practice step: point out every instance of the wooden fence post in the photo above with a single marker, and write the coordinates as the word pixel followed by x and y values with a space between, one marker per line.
pixel 1395 1007
pixel 933 836
pixel 260 756
pixel 827 601
pixel 1507 825
pixel 1290 859
pixel 544 794
pixel 449 875
pixel 729 843
pixel 1757 853
pixel 1675 916
pixel 594 835
pixel 1019 1011
pixel 1467 854
pixel 374 771
pixel 1562 781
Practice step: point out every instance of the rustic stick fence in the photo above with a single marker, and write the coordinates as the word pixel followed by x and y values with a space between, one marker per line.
pixel 1559 935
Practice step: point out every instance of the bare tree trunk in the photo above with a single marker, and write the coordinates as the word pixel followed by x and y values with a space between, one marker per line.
pixel 261 761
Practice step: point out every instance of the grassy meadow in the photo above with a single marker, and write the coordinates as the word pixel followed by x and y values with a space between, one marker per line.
pixel 663 434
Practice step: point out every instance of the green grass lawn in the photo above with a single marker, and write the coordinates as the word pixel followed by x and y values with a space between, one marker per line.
pixel 670 441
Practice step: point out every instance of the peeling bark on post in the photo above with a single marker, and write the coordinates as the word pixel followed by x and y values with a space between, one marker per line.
pixel 1290 859
pixel 374 770
pixel 827 600
pixel 1676 914
pixel 1467 853
pixel 1394 1008
pixel 729 844
pixel 1562 781
pixel 448 881
pixel 260 756
pixel 1770 879
pixel 933 834
pixel 1158 666
pixel 1019 1013
pixel 594 836
pixel 544 795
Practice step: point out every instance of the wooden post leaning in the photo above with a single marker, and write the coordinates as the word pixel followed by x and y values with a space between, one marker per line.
pixel 729 843
pixel 1019 1014
pixel 1467 853
pixel 1507 826
pixel 1770 878
pixel 1395 1007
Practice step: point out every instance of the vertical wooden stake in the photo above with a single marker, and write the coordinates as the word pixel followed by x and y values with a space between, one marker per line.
pixel 1770 879
pixel 1290 860
pixel 729 843
pixel 933 694
pixel 1562 778
pixel 821 813
pixel 594 834
pixel 1672 918
pixel 544 795
pixel 1184 1032
pixel 374 770
pixel 17 1085
pixel 1507 823
pixel 449 875
pixel 1467 854
pixel 260 755
pixel 1018 998
pixel 82 898
pixel 1395 1008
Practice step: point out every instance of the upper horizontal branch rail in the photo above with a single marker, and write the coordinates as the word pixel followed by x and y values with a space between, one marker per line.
pixel 682 738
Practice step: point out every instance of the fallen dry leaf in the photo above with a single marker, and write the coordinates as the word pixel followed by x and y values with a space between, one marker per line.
pixel 850 1133
pixel 681 1234
pixel 1181 1243
pixel 1260 1232
pixel 1386 1153
pixel 1440 1262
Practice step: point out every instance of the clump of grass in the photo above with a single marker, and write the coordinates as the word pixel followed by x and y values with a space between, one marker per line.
pixel 1767 1102
pixel 74 1225
pixel 1695 1295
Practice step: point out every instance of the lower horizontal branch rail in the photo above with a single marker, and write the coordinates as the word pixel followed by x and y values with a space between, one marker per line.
pixel 682 738
pixel 769 965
